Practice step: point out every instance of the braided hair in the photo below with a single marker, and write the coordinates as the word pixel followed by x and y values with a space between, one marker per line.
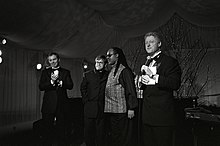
pixel 121 59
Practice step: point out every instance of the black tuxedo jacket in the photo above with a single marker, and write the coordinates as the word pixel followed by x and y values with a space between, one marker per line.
pixel 93 93
pixel 55 97
pixel 158 100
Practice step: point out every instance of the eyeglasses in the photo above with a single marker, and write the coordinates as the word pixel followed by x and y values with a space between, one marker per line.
pixel 99 62
pixel 109 55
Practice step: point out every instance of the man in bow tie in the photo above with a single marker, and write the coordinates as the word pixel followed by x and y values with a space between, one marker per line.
pixel 55 81
pixel 160 77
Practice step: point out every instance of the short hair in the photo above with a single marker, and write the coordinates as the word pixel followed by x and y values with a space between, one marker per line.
pixel 54 53
pixel 154 34
pixel 102 57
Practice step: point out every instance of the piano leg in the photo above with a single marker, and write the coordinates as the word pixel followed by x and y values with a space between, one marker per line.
pixel 195 138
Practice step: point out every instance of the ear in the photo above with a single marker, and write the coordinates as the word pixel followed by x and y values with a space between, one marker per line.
pixel 159 44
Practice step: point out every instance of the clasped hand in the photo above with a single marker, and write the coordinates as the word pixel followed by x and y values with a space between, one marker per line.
pixel 54 79
pixel 147 70
pixel 145 78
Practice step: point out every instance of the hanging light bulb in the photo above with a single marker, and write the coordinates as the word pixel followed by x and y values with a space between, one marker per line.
pixel 39 66
pixel 4 41
pixel 85 66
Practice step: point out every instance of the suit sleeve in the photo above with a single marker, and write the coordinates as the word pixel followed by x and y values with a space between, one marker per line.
pixel 45 83
pixel 83 89
pixel 172 78
pixel 127 80
pixel 68 82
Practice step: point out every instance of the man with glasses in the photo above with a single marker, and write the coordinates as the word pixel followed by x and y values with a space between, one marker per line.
pixel 93 95
pixel 120 99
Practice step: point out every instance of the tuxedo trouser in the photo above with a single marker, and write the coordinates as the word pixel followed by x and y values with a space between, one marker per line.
pixel 157 135
pixel 55 128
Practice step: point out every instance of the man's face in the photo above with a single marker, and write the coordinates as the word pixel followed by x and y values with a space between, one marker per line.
pixel 53 61
pixel 112 57
pixel 99 64
pixel 152 44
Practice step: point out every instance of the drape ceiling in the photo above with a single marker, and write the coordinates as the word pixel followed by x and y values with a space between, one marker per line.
pixel 86 28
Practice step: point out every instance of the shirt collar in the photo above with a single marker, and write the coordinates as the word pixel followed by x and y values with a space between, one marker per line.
pixel 155 55
pixel 54 68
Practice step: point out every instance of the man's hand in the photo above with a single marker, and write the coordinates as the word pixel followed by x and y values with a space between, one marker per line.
pixel 130 114
pixel 145 79
pixel 147 70
pixel 53 77
pixel 60 84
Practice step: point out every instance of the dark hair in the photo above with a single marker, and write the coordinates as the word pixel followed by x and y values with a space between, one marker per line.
pixel 121 58
pixel 54 53
pixel 154 34
pixel 102 57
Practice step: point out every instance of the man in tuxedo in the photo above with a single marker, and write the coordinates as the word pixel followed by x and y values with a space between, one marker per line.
pixel 55 81
pixel 93 95
pixel 161 75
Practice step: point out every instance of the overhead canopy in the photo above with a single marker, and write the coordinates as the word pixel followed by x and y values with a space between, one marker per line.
pixel 86 28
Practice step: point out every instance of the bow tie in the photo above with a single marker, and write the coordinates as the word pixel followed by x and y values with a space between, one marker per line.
pixel 55 68
pixel 150 59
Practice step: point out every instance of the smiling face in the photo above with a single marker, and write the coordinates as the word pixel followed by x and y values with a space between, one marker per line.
pixel 53 61
pixel 152 44
pixel 99 64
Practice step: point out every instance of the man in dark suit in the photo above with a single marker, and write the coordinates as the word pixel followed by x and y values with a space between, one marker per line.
pixel 161 75
pixel 55 81
pixel 93 95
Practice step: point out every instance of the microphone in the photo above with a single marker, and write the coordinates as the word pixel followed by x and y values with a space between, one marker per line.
pixel 147 62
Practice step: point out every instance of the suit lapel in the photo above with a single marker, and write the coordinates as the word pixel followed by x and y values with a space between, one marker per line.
pixel 60 73
pixel 49 71
pixel 158 62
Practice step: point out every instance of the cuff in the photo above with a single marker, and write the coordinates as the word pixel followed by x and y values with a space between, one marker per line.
pixel 156 78
pixel 52 82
